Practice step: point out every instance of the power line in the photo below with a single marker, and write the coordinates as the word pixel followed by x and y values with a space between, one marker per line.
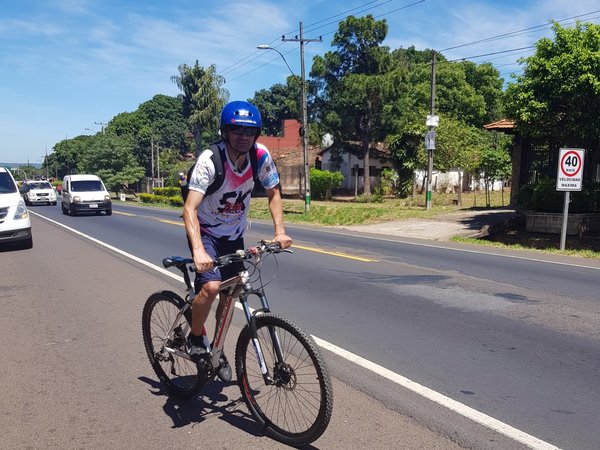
pixel 311 27
pixel 492 53
pixel 375 4
pixel 239 64
pixel 516 32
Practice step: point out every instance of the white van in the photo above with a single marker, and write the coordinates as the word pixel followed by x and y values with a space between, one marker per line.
pixel 84 193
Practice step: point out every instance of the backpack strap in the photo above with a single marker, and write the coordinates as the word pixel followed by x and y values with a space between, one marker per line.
pixel 217 158
pixel 254 165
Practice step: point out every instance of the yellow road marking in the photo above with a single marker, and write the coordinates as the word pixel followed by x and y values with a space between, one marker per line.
pixel 172 222
pixel 341 255
pixel 300 247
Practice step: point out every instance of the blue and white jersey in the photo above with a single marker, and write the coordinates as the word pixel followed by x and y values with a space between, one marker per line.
pixel 224 213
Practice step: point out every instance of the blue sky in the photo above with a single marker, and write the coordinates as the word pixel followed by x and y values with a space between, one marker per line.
pixel 67 66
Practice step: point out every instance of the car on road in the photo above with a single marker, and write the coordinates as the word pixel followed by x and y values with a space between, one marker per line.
pixel 15 223
pixel 37 192
pixel 84 193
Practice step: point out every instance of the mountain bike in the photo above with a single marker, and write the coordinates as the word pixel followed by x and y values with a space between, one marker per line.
pixel 280 371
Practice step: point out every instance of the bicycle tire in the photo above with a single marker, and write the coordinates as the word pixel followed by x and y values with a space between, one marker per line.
pixel 296 410
pixel 179 375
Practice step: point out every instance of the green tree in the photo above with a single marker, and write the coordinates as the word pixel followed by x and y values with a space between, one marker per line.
pixel 164 115
pixel 408 155
pixel 495 165
pixel 353 83
pixel 67 153
pixel 280 102
pixel 111 158
pixel 203 99
pixel 557 98
pixel 158 121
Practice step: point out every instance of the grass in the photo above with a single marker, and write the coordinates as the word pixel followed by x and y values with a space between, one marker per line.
pixel 517 239
pixel 358 213
pixel 348 212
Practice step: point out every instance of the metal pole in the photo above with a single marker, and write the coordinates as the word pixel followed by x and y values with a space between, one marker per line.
pixel 304 126
pixel 431 128
pixel 563 232
pixel 152 161
pixel 301 40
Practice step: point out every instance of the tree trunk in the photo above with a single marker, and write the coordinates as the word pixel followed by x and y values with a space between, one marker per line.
pixel 366 132
pixel 198 141
pixel 367 172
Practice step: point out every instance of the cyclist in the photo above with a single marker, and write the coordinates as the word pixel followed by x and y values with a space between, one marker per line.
pixel 215 223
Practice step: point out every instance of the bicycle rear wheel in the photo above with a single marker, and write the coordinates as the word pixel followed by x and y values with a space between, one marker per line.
pixel 296 408
pixel 178 374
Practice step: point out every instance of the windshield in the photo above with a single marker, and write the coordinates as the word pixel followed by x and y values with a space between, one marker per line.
pixel 86 185
pixel 7 185
pixel 40 185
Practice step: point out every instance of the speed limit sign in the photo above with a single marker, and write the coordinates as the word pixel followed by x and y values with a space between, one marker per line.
pixel 570 169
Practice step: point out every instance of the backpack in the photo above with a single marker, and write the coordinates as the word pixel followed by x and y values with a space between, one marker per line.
pixel 217 157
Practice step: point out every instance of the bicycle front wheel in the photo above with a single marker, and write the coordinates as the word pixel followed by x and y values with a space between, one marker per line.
pixel 295 408
pixel 164 331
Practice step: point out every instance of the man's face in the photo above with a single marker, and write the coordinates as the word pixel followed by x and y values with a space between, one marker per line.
pixel 241 138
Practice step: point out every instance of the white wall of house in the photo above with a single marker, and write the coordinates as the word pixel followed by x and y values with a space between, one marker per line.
pixel 448 181
pixel 348 162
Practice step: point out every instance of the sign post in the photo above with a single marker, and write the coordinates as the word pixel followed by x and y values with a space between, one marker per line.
pixel 569 178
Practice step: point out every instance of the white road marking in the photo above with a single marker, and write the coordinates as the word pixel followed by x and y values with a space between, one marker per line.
pixel 430 394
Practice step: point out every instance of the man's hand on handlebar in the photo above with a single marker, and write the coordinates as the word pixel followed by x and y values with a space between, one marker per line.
pixel 202 261
pixel 283 240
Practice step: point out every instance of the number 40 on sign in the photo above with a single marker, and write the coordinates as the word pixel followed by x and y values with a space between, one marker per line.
pixel 570 169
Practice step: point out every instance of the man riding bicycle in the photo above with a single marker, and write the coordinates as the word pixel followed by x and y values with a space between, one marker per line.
pixel 215 222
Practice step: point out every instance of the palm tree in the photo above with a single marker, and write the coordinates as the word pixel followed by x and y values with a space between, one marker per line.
pixel 203 98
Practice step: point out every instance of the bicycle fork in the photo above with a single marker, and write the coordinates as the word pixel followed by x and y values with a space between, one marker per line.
pixel 251 319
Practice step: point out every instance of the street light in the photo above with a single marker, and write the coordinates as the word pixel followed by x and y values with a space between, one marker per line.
pixel 303 132
pixel 268 47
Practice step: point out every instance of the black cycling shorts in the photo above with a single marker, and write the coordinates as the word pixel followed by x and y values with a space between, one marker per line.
pixel 218 247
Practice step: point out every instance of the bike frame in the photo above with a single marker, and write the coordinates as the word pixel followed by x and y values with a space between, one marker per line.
pixel 239 288
pixel 232 289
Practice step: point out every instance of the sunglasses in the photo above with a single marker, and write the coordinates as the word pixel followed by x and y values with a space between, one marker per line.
pixel 246 131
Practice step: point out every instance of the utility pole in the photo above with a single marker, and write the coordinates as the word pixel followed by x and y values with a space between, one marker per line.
pixel 304 132
pixel 101 125
pixel 158 166
pixel 432 123
pixel 152 160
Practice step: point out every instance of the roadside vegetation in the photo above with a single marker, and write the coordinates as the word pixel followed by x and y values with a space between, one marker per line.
pixel 346 211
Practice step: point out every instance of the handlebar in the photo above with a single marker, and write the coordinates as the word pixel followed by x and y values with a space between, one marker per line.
pixel 252 252
pixel 241 255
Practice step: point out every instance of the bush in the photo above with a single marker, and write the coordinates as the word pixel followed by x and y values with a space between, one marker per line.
pixel 322 183
pixel 543 196
pixel 151 198
pixel 176 200
pixel 170 191
pixel 390 181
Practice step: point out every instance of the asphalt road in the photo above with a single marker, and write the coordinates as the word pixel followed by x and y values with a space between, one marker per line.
pixel 514 338
pixel 75 374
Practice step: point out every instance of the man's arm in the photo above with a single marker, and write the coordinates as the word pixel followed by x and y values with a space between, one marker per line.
pixel 276 210
pixel 202 261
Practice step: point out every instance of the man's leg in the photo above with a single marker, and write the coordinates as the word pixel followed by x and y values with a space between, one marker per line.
pixel 202 304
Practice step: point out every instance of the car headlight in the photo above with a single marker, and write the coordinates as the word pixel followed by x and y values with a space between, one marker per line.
pixel 107 198
pixel 76 199
pixel 21 212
